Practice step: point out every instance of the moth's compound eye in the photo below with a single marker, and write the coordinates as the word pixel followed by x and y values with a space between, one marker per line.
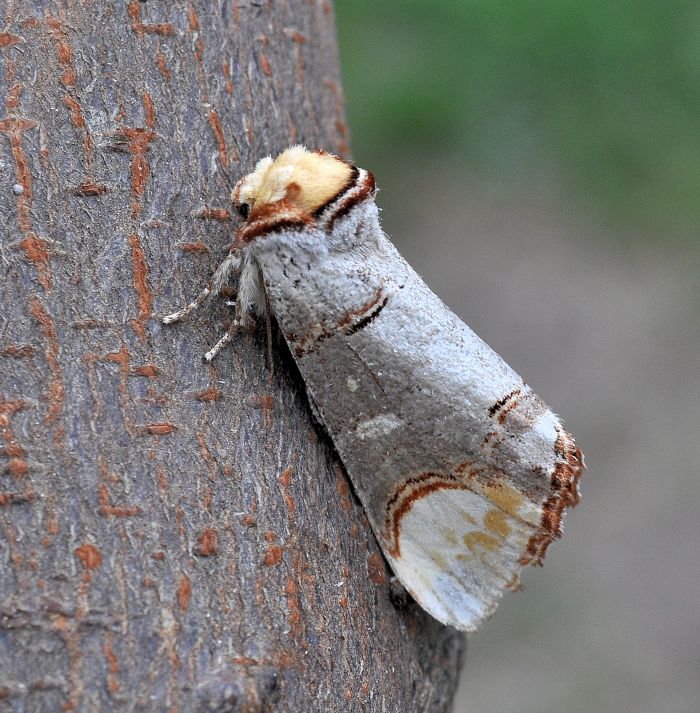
pixel 244 209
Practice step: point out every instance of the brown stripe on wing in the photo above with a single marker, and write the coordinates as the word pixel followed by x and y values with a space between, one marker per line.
pixel 505 405
pixel 349 323
pixel 493 487
pixel 564 494
pixel 410 491
pixel 363 187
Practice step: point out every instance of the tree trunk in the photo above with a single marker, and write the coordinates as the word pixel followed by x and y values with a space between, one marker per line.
pixel 174 536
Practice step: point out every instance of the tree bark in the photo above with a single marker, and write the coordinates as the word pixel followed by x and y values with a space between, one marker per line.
pixel 174 536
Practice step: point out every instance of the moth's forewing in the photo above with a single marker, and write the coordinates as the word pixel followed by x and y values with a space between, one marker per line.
pixel 463 471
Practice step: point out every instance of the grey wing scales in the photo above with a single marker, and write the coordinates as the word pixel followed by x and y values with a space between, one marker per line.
pixel 463 471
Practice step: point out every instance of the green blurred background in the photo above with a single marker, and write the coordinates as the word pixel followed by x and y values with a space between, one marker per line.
pixel 608 93
pixel 540 165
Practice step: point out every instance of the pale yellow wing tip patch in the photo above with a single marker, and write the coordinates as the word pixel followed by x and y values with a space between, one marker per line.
pixel 457 551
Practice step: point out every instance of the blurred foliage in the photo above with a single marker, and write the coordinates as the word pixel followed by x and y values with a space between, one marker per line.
pixel 606 92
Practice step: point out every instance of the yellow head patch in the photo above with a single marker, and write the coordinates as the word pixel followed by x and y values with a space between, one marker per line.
pixel 304 180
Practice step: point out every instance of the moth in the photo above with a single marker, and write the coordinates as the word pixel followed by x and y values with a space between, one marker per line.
pixel 463 471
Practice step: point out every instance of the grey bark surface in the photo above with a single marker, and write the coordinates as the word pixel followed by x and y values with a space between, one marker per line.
pixel 174 536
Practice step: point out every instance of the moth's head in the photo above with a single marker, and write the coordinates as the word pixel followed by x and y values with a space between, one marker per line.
pixel 292 190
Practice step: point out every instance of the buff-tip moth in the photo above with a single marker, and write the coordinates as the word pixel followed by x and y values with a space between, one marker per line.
pixel 463 471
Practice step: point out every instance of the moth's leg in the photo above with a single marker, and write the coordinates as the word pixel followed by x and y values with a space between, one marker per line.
pixel 235 326
pixel 232 263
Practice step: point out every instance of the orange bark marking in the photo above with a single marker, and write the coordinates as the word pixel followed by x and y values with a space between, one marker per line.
pixel 117 511
pixel 56 392
pixel 199 49
pixel 291 504
pixel 89 188
pixel 139 139
pixel 375 569
pixel 214 214
pixel 342 487
pixel 194 24
pixel 103 491
pixel 273 555
pixel 210 394
pixel 36 250
pixel 143 291
pixel 227 75
pixel 208 543
pixel 87 146
pixel 89 556
pixel 68 77
pixel 295 35
pixel 150 110
pixel 13 93
pixel 219 135
pixel 7 39
pixel 265 64
pixel 17 465
pixel 14 90
pixel 162 66
pixel 162 479
pixel 293 604
pixel 121 357
pixel 164 28
pixel 193 19
pixel 65 57
pixel 64 52
pixel 52 527
pixel 13 127
pixel 71 100
pixel 148 370
pixel 18 351
pixel 112 664
pixel 198 247
pixel 184 592
pixel 286 477
pixel 206 456
pixel 159 429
